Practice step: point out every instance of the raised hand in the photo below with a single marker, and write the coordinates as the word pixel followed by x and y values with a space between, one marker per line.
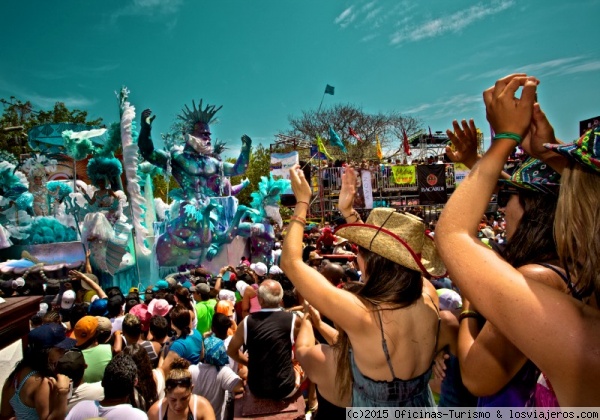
pixel 541 131
pixel 439 365
pixel 300 186
pixel 348 191
pixel 212 252
pixel 246 141
pixel 507 113
pixel 75 275
pixel 315 316
pixel 464 143
pixel 147 118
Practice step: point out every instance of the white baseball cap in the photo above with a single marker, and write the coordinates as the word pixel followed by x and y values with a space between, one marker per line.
pixel 259 268
pixel 68 298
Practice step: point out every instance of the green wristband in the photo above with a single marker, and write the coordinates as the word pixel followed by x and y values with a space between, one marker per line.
pixel 512 136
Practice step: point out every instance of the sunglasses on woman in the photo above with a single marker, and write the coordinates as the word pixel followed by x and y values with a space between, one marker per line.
pixel 504 196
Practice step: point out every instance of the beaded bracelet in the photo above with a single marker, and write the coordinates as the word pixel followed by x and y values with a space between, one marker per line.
pixel 297 221
pixel 355 214
pixel 470 314
pixel 511 136
pixel 303 202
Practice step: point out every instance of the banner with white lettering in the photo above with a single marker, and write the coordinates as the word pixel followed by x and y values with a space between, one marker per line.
pixel 460 173
pixel 367 189
pixel 431 180
pixel 281 164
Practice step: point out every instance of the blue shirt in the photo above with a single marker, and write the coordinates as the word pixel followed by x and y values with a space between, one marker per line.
pixel 189 347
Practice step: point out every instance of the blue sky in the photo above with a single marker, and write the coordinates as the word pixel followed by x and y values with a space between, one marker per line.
pixel 266 60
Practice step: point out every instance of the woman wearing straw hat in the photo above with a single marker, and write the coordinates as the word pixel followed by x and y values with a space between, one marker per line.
pixel 388 330
pixel 558 332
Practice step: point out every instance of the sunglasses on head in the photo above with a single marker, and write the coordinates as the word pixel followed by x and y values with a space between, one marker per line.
pixel 174 383
pixel 504 196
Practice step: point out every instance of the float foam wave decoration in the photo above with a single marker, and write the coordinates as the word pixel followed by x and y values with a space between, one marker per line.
pixel 62 189
pixel 113 141
pixel 268 194
pixel 77 148
pixel 13 183
pixel 47 230
pixel 146 169
pixel 130 158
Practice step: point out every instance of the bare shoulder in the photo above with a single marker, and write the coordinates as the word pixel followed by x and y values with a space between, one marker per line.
pixel 154 413
pixel 203 408
pixel 544 275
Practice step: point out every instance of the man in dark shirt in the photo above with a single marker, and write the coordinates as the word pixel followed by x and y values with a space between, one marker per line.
pixel 269 336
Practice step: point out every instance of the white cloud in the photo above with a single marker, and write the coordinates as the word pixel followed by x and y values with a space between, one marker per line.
pixel 582 68
pixel 74 101
pixel 373 14
pixel 546 65
pixel 555 67
pixel 42 101
pixel 454 105
pixel 345 18
pixel 369 37
pixel 65 72
pixel 452 23
pixel 368 6
pixel 148 8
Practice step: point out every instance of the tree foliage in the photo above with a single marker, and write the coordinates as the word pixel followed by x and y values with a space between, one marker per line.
pixel 388 127
pixel 161 188
pixel 260 165
pixel 22 114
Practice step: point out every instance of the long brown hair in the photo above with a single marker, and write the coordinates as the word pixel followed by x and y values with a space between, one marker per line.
pixel 146 385
pixel 386 282
pixel 533 238
pixel 577 227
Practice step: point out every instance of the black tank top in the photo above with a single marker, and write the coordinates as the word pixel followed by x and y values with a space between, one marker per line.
pixel 269 338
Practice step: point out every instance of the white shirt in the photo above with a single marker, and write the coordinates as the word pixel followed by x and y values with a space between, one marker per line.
pixel 211 383
pixel 86 391
pixel 92 409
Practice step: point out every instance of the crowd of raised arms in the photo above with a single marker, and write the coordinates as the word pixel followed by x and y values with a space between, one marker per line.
pixel 474 309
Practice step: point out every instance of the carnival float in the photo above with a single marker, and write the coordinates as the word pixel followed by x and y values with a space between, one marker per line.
pixel 85 198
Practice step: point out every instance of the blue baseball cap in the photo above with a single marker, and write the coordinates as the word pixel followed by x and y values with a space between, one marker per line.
pixel 160 285
pixel 99 307
pixel 49 336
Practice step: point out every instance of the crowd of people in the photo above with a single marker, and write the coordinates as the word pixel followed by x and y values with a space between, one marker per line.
pixel 491 311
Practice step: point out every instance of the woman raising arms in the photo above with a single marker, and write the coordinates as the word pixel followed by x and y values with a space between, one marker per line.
pixel 558 332
pixel 388 330
pixel 491 366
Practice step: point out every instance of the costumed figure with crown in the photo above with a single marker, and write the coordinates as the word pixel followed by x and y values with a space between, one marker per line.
pixel 105 229
pixel 39 199
pixel 198 227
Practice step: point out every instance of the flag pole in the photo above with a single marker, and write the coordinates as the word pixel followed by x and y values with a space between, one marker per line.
pixel 323 97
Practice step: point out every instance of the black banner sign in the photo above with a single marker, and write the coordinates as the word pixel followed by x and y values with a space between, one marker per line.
pixel 432 184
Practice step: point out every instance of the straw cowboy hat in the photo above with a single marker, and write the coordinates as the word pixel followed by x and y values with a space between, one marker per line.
pixel 399 237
